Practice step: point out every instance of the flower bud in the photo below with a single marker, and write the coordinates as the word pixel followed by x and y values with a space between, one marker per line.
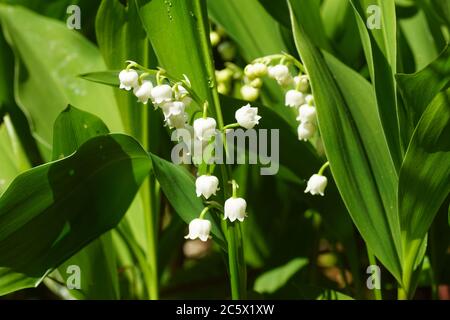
pixel 249 93
pixel 214 37
pixel 302 83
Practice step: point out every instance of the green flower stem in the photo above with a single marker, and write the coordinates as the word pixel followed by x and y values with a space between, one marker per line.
pixel 283 57
pixel 203 213
pixel 231 125
pixel 236 261
pixel 322 169
pixel 150 204
pixel 373 261
pixel 205 109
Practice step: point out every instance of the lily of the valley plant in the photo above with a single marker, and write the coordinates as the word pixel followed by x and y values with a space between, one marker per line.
pixel 352 95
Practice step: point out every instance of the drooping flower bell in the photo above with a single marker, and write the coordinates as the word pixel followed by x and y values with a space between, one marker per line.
pixel 204 128
pixel 234 209
pixel 172 108
pixel 249 93
pixel 316 184
pixel 143 92
pixel 307 113
pixel 161 94
pixel 294 98
pixel 306 130
pixel 206 185
pixel 181 94
pixel 278 72
pixel 128 79
pixel 199 228
pixel 302 83
pixel 247 117
pixel 176 121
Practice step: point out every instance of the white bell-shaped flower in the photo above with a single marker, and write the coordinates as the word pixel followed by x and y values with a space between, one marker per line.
pixel 172 108
pixel 143 92
pixel 206 185
pixel 204 128
pixel 161 94
pixel 279 72
pixel 306 130
pixel 128 79
pixel 234 209
pixel 247 117
pixel 294 98
pixel 302 83
pixel 176 121
pixel 307 113
pixel 182 95
pixel 199 228
pixel 249 93
pixel 316 184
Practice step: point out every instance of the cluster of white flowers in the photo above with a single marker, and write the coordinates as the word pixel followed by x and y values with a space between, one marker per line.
pixel 303 101
pixel 234 208
pixel 298 96
pixel 207 185
pixel 172 100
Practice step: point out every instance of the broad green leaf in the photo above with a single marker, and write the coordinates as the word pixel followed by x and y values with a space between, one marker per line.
pixel 287 282
pixel 442 9
pixel 72 128
pixel 274 279
pixel 312 22
pixel 49 58
pixel 99 280
pixel 52 211
pixel 121 37
pixel 419 89
pixel 9 105
pixel 420 38
pixel 425 174
pixel 178 29
pixel 356 148
pixel 110 77
pixel 340 27
pixel 380 48
pixel 179 188
pixel 12 156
